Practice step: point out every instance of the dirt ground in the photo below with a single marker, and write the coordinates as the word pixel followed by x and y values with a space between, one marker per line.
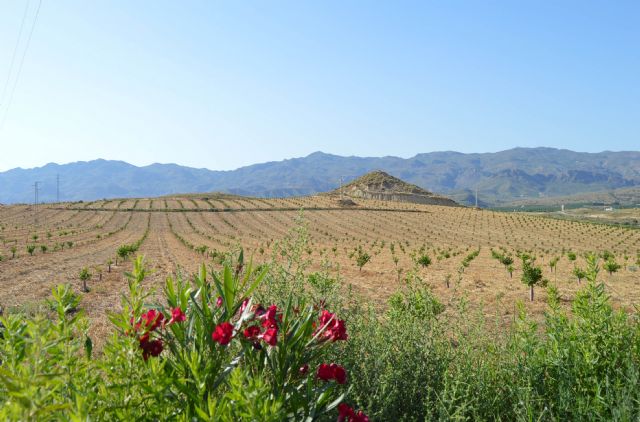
pixel 393 234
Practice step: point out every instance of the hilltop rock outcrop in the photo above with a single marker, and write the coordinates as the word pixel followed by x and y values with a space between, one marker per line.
pixel 382 186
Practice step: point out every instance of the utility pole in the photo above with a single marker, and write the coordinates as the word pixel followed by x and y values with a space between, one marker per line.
pixel 35 200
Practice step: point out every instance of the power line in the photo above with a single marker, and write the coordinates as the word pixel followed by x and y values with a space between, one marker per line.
pixel 24 54
pixel 13 56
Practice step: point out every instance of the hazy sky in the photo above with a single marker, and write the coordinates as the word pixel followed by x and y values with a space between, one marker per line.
pixel 225 84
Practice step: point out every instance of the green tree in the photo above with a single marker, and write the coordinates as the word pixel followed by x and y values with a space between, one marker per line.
pixel 579 273
pixel 531 275
pixel 31 249
pixel 424 260
pixel 611 266
pixel 122 252
pixel 13 250
pixel 506 260
pixel 85 276
pixel 362 258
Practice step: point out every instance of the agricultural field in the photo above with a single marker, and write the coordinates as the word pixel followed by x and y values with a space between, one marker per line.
pixel 372 247
pixel 629 217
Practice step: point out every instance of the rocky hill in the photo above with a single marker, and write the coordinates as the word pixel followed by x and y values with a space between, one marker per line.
pixel 382 186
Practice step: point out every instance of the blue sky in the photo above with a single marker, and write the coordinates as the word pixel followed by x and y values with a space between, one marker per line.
pixel 226 84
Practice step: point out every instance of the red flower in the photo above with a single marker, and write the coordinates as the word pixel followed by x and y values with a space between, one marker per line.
pixel 332 372
pixel 335 328
pixel 304 369
pixel 150 347
pixel 359 417
pixel 270 336
pixel 344 412
pixel 219 301
pixel 177 316
pixel 325 373
pixel 251 332
pixel 271 312
pixel 339 374
pixel 223 333
pixel 269 323
pixel 325 317
pixel 270 317
pixel 151 320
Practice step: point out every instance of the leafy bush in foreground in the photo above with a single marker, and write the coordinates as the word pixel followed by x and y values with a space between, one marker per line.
pixel 209 354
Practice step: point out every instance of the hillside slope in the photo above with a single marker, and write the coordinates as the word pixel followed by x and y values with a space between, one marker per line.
pixel 382 186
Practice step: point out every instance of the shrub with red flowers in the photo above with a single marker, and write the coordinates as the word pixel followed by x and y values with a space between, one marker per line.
pixel 210 329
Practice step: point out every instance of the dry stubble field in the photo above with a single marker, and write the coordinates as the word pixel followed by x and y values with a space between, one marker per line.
pixel 79 235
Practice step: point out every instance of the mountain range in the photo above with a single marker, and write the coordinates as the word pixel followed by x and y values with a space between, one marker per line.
pixel 501 177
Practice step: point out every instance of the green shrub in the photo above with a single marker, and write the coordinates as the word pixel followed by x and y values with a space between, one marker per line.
pixel 424 260
pixel 210 353
pixel 400 357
